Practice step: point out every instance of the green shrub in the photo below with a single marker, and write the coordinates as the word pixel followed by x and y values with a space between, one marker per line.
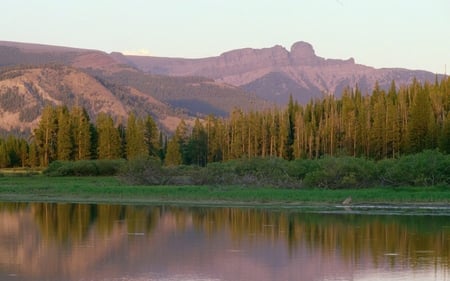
pixel 342 172
pixel 251 171
pixel 109 167
pixel 427 168
pixel 299 168
pixel 84 168
pixel 143 171
pixel 55 168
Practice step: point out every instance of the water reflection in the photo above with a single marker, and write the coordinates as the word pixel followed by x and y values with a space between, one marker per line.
pixel 46 241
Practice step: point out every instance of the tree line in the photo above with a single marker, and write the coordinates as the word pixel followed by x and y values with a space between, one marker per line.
pixel 380 125
pixel 69 135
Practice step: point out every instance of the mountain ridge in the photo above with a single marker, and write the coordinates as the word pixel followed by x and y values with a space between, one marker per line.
pixel 305 74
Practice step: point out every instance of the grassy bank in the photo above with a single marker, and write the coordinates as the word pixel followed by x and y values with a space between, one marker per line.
pixel 109 189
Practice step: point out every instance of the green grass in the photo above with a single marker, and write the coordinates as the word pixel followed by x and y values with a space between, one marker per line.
pixel 20 171
pixel 111 190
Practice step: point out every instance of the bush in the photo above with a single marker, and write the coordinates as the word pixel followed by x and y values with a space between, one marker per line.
pixel 109 167
pixel 255 172
pixel 342 172
pixel 427 168
pixel 143 170
pixel 424 169
pixel 84 168
pixel 298 169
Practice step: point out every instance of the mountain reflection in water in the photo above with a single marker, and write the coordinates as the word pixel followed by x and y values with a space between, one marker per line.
pixel 48 241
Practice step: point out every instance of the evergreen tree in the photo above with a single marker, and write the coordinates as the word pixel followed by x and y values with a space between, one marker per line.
pixel 81 132
pixel 216 133
pixel 45 136
pixel 419 124
pixel 182 136
pixel 109 143
pixel 4 155
pixel 13 150
pixel 290 137
pixel 299 146
pixel 33 159
pixel 173 154
pixel 198 145
pixel 378 146
pixel 152 137
pixel 123 140
pixel 348 122
pixel 23 152
pixel 135 138
pixel 236 132
pixel 64 137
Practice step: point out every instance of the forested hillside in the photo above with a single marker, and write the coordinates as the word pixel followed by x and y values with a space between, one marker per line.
pixel 385 124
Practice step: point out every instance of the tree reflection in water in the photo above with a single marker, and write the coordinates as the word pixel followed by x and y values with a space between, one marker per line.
pixel 97 238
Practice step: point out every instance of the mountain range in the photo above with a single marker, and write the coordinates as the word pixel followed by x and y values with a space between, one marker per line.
pixel 171 89
pixel 276 73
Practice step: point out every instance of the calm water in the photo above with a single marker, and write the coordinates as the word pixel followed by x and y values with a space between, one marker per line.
pixel 46 241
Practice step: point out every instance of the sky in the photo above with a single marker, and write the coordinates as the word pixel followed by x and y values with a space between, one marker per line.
pixel 412 34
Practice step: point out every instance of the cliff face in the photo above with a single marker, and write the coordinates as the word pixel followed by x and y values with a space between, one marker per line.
pixel 275 73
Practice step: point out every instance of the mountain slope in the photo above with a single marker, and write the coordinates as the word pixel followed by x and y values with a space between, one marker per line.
pixel 275 73
pixel 33 75
pixel 25 91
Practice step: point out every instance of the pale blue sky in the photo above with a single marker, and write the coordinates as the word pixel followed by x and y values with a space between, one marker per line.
pixel 382 33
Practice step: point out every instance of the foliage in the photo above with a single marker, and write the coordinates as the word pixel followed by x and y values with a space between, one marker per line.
pixel 84 168
pixel 143 170
pixel 342 172
pixel 383 125
pixel 427 168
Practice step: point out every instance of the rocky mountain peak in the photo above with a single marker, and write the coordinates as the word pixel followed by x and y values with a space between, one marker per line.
pixel 303 53
pixel 302 49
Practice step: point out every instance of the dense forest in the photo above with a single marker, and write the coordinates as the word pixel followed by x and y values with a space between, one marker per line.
pixel 377 125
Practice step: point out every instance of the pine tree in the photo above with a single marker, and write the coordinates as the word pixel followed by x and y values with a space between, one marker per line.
pixel 64 134
pixel 198 145
pixel 290 137
pixel 419 125
pixel 152 137
pixel 109 143
pixel 216 133
pixel 45 136
pixel 135 138
pixel 182 136
pixel 13 150
pixel 4 155
pixel 81 132
pixel 378 129
pixel 33 159
pixel 348 122
pixel 236 134
pixel 173 154
pixel 23 152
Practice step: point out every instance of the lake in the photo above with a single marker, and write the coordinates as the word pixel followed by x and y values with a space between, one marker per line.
pixel 50 241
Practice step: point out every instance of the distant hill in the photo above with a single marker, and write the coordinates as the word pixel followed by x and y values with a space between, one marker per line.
pixel 33 75
pixel 275 73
